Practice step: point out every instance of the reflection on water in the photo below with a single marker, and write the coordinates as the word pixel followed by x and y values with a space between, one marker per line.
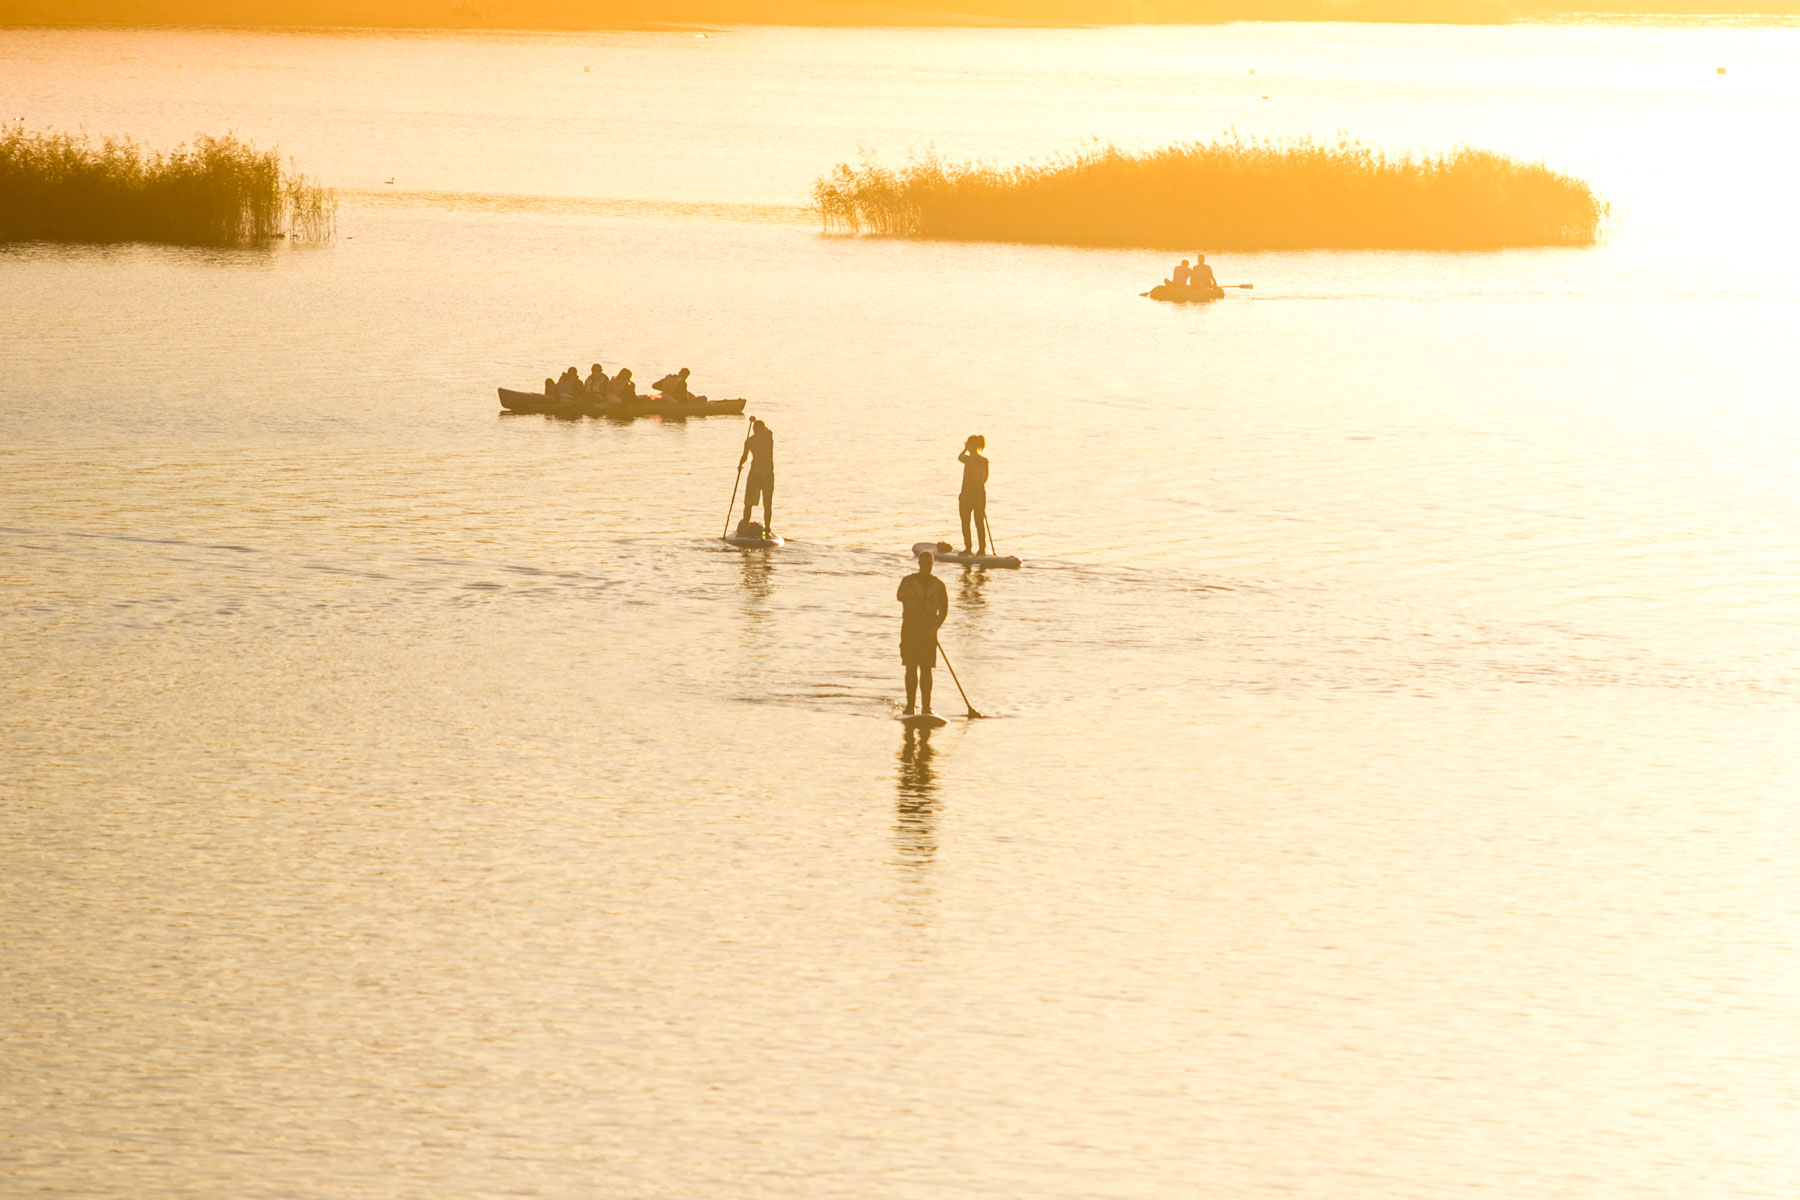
pixel 916 802
pixel 970 586
pixel 756 577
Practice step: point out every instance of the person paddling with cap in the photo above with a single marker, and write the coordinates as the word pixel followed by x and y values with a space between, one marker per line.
pixel 759 449
pixel 923 606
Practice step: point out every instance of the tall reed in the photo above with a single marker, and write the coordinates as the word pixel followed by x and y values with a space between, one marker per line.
pixel 1227 194
pixel 60 187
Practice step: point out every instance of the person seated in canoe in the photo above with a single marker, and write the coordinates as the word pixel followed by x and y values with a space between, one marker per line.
pixel 1180 276
pixel 622 388
pixel 972 501
pixel 1202 276
pixel 550 391
pixel 674 388
pixel 570 384
pixel 923 606
pixel 596 383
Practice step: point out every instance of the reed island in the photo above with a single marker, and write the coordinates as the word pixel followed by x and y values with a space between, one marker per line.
pixel 1228 194
pixel 59 187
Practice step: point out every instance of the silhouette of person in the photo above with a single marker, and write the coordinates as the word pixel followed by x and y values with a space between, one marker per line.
pixel 923 606
pixel 1202 275
pixel 675 387
pixel 759 448
pixel 1182 275
pixel 972 502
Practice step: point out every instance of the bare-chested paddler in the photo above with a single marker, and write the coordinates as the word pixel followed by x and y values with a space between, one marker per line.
pixel 759 449
pixel 923 606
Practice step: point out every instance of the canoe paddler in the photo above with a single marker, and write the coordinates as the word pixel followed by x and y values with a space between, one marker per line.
pixel 675 388
pixel 923 606
pixel 1202 275
pixel 759 449
pixel 972 500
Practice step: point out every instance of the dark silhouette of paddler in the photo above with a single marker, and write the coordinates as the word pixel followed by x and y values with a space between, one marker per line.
pixel 759 448
pixel 923 606
pixel 972 501
pixel 675 388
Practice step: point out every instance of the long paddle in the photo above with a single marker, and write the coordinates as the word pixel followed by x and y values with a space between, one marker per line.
pixel 732 506
pixel 993 546
pixel 958 682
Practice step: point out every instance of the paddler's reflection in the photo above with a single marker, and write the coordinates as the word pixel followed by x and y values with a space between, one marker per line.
pixel 916 805
pixel 759 583
pixel 757 647
pixel 968 588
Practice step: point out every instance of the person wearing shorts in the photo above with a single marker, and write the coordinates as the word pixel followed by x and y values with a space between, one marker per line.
pixel 923 606
pixel 759 449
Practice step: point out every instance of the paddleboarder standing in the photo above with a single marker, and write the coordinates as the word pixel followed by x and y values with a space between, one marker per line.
pixel 759 449
pixel 972 502
pixel 923 606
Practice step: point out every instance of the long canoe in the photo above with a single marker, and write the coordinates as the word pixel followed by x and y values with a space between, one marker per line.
pixel 1169 291
pixel 536 402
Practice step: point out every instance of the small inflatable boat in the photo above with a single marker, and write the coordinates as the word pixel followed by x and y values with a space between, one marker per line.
pixel 1170 291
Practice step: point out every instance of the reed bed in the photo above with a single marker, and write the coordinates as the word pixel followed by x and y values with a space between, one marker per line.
pixel 59 187
pixel 1223 195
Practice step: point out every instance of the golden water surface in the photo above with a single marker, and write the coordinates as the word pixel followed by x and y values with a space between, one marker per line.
pixel 1388 786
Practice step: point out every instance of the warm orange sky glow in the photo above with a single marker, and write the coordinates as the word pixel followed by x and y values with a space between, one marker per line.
pixel 619 14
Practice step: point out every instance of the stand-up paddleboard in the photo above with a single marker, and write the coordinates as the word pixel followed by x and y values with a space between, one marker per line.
pixel 967 560
pixel 923 721
pixel 757 543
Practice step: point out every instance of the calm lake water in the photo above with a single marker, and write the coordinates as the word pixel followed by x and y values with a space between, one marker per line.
pixel 1390 783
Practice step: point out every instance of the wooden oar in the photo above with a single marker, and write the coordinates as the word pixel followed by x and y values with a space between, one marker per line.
pixel 732 506
pixel 958 682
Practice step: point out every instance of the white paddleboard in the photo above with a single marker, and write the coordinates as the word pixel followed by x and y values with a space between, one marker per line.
pixel 757 543
pixel 967 560
pixel 923 721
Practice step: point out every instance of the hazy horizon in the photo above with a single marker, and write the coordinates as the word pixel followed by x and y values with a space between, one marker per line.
pixel 626 14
